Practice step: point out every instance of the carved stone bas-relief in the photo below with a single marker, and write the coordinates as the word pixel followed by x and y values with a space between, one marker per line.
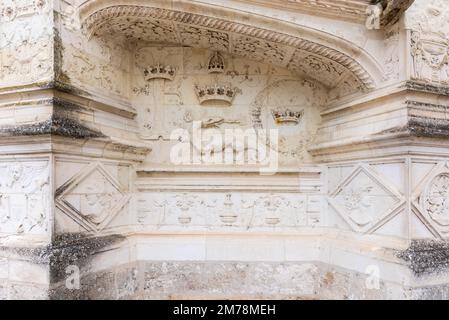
pixel 287 116
pixel 437 198
pixel 92 198
pixel 24 197
pixel 169 27
pixel 430 57
pixel 216 63
pixel 159 72
pixel 430 200
pixel 364 201
pixel 374 13
pixel 245 149
pixel 215 93
pixel 232 211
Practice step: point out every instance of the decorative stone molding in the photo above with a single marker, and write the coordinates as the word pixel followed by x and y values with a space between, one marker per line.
pixel 243 212
pixel 215 93
pixel 207 31
pixel 345 10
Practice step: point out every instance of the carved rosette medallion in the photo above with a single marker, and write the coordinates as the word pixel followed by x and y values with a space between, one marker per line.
pixel 436 199
pixel 431 200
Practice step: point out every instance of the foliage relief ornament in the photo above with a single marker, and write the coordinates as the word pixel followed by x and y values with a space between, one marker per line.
pixel 436 201
pixel 430 200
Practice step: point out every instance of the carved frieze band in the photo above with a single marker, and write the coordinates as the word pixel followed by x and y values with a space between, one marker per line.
pixel 228 211
pixel 93 23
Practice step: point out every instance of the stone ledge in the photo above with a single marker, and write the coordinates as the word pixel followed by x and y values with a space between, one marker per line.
pixel 219 178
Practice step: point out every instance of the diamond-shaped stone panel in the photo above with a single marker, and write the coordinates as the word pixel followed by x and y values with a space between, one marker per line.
pixel 364 201
pixel 92 198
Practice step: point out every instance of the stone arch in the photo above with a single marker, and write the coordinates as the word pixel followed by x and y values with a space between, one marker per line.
pixel 335 62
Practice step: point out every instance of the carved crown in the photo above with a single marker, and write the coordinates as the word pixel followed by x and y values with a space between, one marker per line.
pixel 287 116
pixel 215 92
pixel 159 72
pixel 216 63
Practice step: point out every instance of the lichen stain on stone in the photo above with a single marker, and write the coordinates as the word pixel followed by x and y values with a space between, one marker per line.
pixel 58 53
pixel 56 125
pixel 428 127
pixel 75 249
pixel 61 105
pixel 36 255
pixel 426 257
pixel 421 127
pixel 426 87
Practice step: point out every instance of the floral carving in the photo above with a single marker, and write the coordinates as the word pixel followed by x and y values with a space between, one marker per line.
pixel 324 70
pixel 259 50
pixel 436 201
pixel 217 34
pixel 431 200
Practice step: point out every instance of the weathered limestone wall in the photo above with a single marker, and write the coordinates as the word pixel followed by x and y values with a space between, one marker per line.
pixel 95 96
pixel 26 64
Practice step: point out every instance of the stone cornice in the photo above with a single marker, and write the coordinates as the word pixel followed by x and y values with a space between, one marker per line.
pixel 348 10
pixel 48 90
pixel 106 147
pixel 353 10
